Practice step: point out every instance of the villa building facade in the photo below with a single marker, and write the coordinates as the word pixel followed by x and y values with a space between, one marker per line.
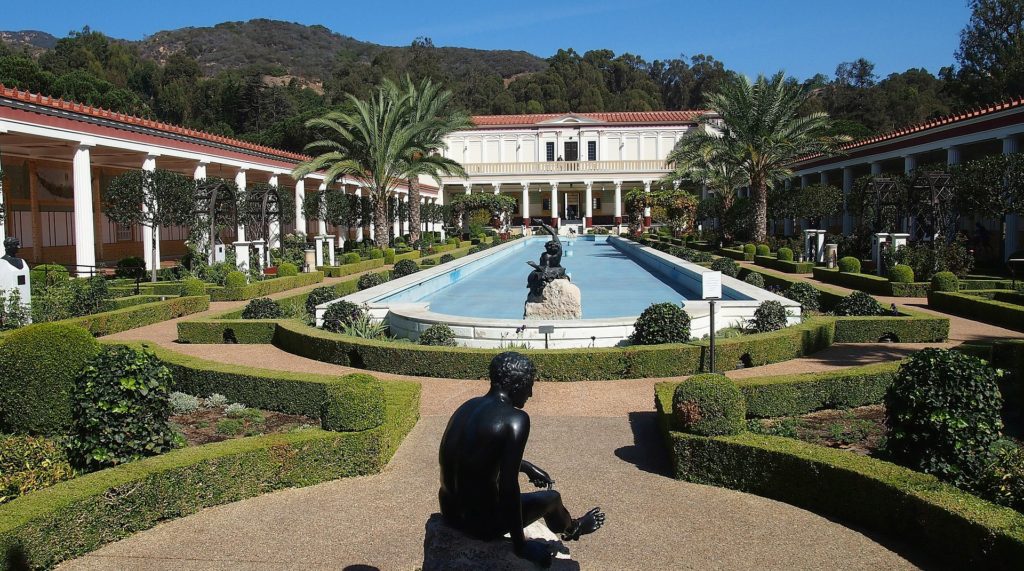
pixel 570 169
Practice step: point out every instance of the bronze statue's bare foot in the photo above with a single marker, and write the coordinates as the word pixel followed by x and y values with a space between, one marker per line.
pixel 589 523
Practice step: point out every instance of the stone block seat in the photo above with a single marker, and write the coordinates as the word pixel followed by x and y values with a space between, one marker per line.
pixel 448 549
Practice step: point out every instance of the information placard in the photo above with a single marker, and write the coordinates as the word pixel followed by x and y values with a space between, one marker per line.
pixel 711 285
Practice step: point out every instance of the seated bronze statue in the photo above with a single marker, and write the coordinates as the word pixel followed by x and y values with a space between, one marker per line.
pixel 550 266
pixel 481 457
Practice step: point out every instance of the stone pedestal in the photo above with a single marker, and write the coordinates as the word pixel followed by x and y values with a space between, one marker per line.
pixel 330 250
pixel 831 255
pixel 14 278
pixel 319 245
pixel 447 549
pixel 220 253
pixel 878 242
pixel 242 255
pixel 261 252
pixel 561 300
pixel 814 241
pixel 310 260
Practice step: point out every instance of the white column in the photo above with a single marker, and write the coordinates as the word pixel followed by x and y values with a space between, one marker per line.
pixel 953 153
pixel 497 187
pixel 588 219
pixel 847 189
pixel 618 202
pixel 468 187
pixel 406 224
pixel 274 230
pixel 909 163
pixel 524 204
pixel 1011 242
pixel 85 235
pixel 200 172
pixel 205 241
pixel 3 225
pixel 240 183
pixel 300 197
pixel 440 202
pixel 876 168
pixel 397 225
pixel 149 165
pixel 554 204
pixel 359 231
pixel 647 210
pixel 823 178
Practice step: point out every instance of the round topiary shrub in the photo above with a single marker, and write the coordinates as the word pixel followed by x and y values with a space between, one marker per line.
pixel 709 405
pixel 849 264
pixel 351 258
pixel 763 250
pixel 339 314
pixel 287 269
pixel 805 294
pixel 755 279
pixel 404 268
pixel 132 267
pixel 262 308
pixel 769 316
pixel 319 295
pixel 727 266
pixel 901 274
pixel 38 365
pixel 661 323
pixel 945 281
pixel 192 286
pixel 121 407
pixel 445 258
pixel 785 254
pixel 858 303
pixel 438 335
pixel 943 415
pixel 376 254
pixel 48 274
pixel 389 256
pixel 749 249
pixel 235 280
pixel 354 403
pixel 366 281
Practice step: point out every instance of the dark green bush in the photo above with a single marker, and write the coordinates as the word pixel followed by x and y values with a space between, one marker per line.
pixel 438 335
pixel 808 296
pixel 1005 476
pixel 749 249
pixel 287 270
pixel 661 323
pixel 339 314
pixel 901 274
pixel 389 256
pixel 38 364
pixel 351 258
pixel 121 407
pixel 763 250
pixel 858 303
pixel 445 258
pixel 29 463
pixel 709 405
pixel 366 281
pixel 235 280
pixel 769 316
pixel 755 279
pixel 943 415
pixel 945 281
pixel 132 267
pixel 192 286
pixel 355 403
pixel 376 254
pixel 404 268
pixel 319 295
pixel 262 308
pixel 849 264
pixel 727 266
pixel 785 254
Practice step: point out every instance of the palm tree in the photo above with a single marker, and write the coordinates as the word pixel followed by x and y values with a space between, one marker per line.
pixel 368 140
pixel 431 106
pixel 763 134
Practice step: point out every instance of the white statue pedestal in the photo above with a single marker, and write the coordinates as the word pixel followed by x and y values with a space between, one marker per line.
pixel 220 253
pixel 261 252
pixel 242 255
pixel 815 240
pixel 448 549
pixel 18 279
pixel 330 249
pixel 878 242
pixel 310 260
pixel 319 253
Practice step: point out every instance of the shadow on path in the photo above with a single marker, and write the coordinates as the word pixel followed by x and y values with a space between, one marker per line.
pixel 647 451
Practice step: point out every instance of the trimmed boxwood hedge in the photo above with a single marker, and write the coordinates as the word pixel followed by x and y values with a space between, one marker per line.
pixel 69 519
pixel 965 304
pixel 413 255
pixel 871 284
pixel 118 320
pixel 130 301
pixel 790 267
pixel 736 254
pixel 911 327
pixel 961 529
pixel 790 395
pixel 349 269
pixel 264 287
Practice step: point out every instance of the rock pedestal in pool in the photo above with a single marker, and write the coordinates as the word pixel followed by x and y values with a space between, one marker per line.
pixel 560 300
pixel 448 549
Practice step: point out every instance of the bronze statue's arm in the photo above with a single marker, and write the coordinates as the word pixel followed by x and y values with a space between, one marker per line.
pixel 548 229
pixel 537 476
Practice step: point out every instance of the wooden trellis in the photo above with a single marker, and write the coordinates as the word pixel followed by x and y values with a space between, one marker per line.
pixel 263 206
pixel 216 200
pixel 931 205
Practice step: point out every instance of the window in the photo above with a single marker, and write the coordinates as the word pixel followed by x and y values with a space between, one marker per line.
pixel 550 147
pixel 591 150
pixel 124 233
pixel 572 151
pixel 546 206
pixel 596 203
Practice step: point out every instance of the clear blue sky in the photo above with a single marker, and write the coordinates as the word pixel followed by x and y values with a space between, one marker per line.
pixel 803 37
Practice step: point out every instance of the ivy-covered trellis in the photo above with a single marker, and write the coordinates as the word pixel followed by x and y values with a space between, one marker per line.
pixel 498 205
pixel 216 208
pixel 266 205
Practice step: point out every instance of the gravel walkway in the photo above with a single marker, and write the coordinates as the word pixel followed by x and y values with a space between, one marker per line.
pixel 596 438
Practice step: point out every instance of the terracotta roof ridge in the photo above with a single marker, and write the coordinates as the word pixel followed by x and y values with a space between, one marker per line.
pixel 83 109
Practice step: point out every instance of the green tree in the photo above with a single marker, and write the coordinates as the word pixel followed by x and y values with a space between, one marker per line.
pixel 761 133
pixel 991 53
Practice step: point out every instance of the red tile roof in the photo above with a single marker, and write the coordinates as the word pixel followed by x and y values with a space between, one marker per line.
pixel 625 117
pixel 926 125
pixel 70 106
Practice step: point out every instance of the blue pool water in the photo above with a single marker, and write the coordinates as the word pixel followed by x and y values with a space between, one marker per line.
pixel 611 283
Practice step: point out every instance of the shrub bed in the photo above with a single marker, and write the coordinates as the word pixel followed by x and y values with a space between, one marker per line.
pixel 349 269
pixel 130 301
pixel 961 528
pixel 118 320
pixel 872 284
pixel 413 255
pixel 788 266
pixel 736 254
pixel 264 287
pixel 72 518
pixel 791 395
pixel 966 304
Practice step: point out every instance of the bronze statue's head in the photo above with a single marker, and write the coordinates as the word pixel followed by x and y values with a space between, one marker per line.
pixel 514 373
pixel 551 247
pixel 11 246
